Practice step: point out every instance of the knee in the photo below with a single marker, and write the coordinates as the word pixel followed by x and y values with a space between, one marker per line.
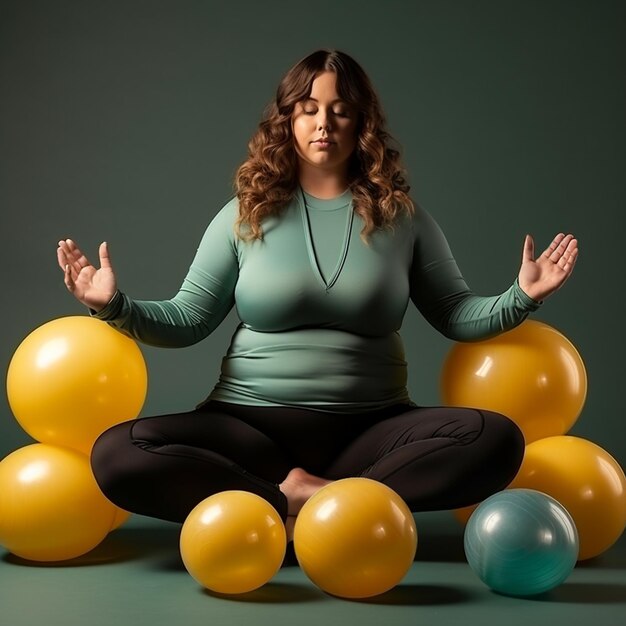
pixel 505 446
pixel 110 456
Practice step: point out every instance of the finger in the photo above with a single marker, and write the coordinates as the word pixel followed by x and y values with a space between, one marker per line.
pixel 61 258
pixel 68 280
pixel 68 248
pixel 529 249
pixel 559 246
pixel 68 255
pixel 568 260
pixel 563 253
pixel 65 262
pixel 572 245
pixel 553 245
pixel 105 259
pixel 75 256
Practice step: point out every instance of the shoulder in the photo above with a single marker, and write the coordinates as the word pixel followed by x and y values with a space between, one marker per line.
pixel 224 220
pixel 229 212
pixel 413 220
pixel 220 232
pixel 422 222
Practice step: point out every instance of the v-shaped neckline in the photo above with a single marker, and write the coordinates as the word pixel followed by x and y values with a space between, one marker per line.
pixel 311 248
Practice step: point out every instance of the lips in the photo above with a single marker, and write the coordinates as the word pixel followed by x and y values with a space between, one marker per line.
pixel 323 144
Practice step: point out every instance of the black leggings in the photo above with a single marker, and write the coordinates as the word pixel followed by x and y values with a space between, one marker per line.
pixel 433 457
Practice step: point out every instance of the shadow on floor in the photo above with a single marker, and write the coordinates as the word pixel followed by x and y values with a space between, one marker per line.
pixel 402 595
pixel 124 544
pixel 419 595
pixel 274 593
pixel 613 558
pixel 440 548
pixel 585 593
pixel 159 543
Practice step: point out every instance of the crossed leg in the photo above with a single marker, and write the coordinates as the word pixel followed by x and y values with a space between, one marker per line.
pixel 433 457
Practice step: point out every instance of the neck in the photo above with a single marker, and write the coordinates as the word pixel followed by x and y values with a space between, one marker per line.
pixel 321 183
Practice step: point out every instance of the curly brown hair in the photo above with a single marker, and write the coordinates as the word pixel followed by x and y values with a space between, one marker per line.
pixel 268 179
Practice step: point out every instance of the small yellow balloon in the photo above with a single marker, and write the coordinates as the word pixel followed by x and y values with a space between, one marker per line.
pixel 73 378
pixel 51 508
pixel 355 538
pixel 233 542
pixel 586 480
pixel 532 374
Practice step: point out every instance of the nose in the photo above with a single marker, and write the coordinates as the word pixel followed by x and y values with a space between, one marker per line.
pixel 323 122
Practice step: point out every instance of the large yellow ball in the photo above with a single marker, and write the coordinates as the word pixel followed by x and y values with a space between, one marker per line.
pixel 532 374
pixel 233 542
pixel 586 480
pixel 73 378
pixel 355 538
pixel 51 508
pixel 121 517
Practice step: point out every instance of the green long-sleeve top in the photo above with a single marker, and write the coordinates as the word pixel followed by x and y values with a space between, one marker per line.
pixel 320 310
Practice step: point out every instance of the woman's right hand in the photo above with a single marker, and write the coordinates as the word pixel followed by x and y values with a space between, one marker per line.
pixel 91 286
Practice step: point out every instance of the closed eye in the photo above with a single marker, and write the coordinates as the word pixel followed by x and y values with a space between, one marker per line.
pixel 337 113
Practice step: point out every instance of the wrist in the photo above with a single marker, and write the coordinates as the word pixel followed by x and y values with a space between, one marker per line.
pixel 529 292
pixel 110 309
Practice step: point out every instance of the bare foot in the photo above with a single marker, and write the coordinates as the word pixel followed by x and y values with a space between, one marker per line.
pixel 299 486
pixel 290 524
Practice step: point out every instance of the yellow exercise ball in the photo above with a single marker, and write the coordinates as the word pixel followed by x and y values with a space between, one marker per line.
pixel 355 538
pixel 51 508
pixel 532 374
pixel 463 514
pixel 586 480
pixel 233 542
pixel 73 378
pixel 121 517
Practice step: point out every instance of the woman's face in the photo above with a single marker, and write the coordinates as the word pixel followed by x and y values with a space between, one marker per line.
pixel 324 127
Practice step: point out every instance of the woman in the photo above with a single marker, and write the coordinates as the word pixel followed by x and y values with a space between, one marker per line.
pixel 320 251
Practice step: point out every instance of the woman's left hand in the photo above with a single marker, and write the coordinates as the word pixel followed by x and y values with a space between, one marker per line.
pixel 543 276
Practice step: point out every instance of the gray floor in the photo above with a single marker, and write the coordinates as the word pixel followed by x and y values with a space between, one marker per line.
pixel 136 577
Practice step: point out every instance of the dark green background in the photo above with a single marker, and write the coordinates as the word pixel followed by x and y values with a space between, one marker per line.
pixel 125 121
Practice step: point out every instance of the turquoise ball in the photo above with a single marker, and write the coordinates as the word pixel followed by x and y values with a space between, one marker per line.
pixel 521 542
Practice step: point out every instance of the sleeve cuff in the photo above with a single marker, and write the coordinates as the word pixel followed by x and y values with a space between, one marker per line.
pixel 529 302
pixel 111 310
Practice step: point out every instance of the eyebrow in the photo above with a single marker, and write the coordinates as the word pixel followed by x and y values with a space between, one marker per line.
pixel 333 102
